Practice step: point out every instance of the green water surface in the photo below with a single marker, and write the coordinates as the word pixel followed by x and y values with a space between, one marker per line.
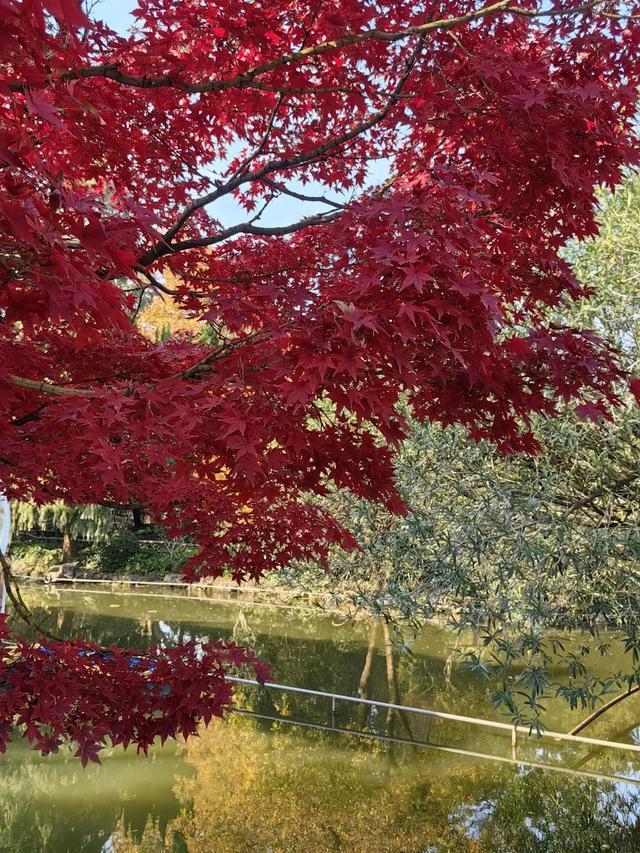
pixel 258 784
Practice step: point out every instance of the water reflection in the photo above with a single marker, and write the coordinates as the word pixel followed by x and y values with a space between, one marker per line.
pixel 288 791
pixel 263 785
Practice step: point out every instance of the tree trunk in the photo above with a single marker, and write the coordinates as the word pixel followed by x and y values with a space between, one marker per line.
pixel 366 672
pixel 5 539
pixel 69 546
pixel 363 691
pixel 392 684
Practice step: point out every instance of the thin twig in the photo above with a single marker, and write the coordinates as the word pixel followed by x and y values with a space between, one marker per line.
pixel 16 599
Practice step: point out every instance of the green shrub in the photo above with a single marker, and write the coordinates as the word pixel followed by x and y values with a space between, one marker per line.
pixel 34 558
pixel 90 557
pixel 124 554
pixel 154 559
pixel 114 557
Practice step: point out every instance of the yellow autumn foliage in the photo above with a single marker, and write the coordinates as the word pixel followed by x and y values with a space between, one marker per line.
pixel 163 317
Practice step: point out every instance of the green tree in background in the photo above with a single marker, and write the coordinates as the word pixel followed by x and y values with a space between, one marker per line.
pixel 518 549
pixel 610 264
pixel 91 522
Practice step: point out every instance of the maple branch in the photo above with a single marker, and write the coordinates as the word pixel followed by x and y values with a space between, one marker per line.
pixel 239 279
pixel 61 390
pixel 242 277
pixel 46 387
pixel 258 150
pixel 156 285
pixel 242 228
pixel 29 417
pixel 242 168
pixel 204 363
pixel 111 71
pixel 15 597
pixel 164 247
pixel 237 180
pixel 301 90
pixel 281 188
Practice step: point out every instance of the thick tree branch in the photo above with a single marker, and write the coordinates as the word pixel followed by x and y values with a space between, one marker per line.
pixel 599 711
pixel 243 228
pixel 164 247
pixel 610 488
pixel 200 367
pixel 21 609
pixel 111 71
pixel 45 387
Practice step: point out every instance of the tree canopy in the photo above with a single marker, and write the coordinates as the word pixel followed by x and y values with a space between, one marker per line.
pixel 518 549
pixel 431 283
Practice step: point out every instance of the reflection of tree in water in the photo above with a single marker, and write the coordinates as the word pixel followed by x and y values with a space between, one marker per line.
pixel 304 649
pixel 152 840
pixel 267 786
pixel 52 804
pixel 535 812
pixel 288 791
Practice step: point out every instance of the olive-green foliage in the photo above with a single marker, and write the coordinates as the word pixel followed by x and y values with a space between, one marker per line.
pixel 610 265
pixel 34 558
pixel 517 548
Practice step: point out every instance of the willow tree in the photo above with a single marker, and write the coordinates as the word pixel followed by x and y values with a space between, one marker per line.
pixel 91 522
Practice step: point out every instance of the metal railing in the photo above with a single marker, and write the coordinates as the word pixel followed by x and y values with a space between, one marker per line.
pixel 514 730
pixel 115 582
pixel 448 750
pixel 115 586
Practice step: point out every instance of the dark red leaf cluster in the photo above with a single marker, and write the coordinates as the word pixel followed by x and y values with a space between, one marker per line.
pixel 428 281
pixel 78 693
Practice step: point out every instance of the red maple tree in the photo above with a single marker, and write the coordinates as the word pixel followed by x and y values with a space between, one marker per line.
pixel 494 123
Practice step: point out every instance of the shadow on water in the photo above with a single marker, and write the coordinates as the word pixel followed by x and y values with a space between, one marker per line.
pixel 264 785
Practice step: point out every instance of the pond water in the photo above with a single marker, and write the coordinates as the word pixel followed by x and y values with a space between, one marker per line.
pixel 254 783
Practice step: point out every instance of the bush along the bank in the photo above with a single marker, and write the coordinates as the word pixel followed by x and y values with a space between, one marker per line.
pixel 35 558
pixel 123 556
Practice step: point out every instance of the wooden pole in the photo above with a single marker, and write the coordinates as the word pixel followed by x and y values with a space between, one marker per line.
pixel 5 539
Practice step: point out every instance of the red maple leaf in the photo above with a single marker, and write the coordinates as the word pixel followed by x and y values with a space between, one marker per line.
pixel 430 288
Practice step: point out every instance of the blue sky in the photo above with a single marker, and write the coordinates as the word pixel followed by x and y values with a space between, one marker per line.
pixel 116 13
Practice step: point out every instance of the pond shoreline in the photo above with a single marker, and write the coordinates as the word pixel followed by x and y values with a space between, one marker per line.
pixel 244 593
